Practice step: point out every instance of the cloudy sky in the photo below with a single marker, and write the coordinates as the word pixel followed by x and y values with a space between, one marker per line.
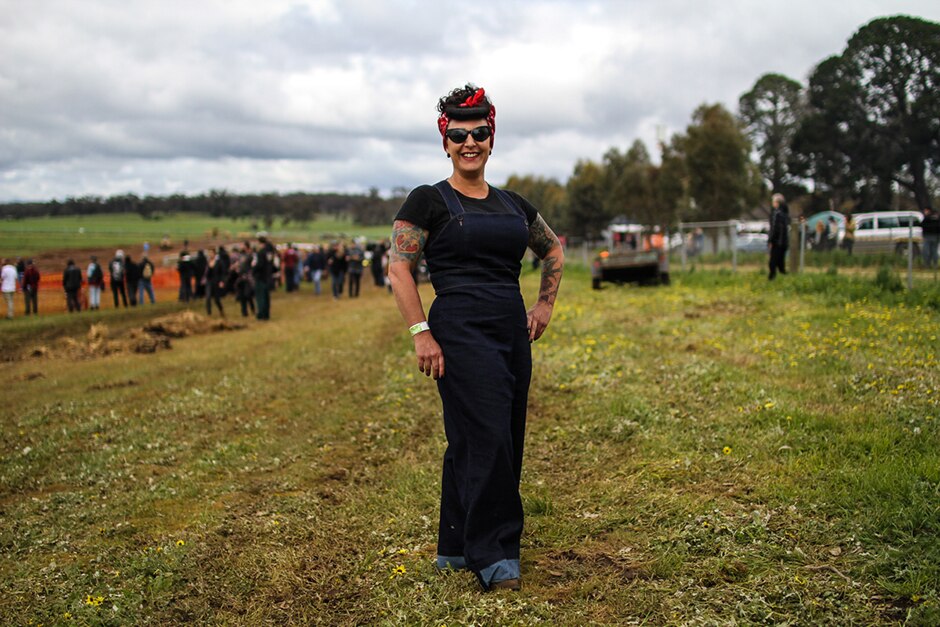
pixel 157 97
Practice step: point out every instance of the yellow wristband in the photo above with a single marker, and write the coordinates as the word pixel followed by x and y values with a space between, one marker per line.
pixel 418 328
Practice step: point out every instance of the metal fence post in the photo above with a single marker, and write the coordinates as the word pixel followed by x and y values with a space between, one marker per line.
pixel 802 244
pixel 910 254
pixel 734 247
pixel 682 251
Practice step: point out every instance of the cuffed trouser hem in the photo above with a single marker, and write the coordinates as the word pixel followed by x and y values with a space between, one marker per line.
pixel 451 562
pixel 500 571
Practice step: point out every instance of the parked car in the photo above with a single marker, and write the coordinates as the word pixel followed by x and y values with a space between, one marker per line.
pixel 752 236
pixel 887 231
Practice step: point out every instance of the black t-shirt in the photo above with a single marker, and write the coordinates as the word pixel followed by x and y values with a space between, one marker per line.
pixel 425 208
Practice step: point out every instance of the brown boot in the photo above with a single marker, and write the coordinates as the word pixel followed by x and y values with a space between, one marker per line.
pixel 507 584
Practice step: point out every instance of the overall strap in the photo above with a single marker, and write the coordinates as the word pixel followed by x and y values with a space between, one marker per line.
pixel 510 203
pixel 450 198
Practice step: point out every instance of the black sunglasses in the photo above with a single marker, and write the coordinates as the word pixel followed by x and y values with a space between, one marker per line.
pixel 459 135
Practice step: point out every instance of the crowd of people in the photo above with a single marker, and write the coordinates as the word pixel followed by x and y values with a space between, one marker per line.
pixel 130 282
pixel 252 272
pixel 249 272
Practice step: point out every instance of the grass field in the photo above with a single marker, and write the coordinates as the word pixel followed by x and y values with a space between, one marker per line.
pixel 33 235
pixel 720 451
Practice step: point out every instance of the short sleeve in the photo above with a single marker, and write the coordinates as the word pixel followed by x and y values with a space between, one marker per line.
pixel 417 208
pixel 531 213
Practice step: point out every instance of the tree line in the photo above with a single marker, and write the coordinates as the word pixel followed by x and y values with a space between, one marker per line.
pixel 365 209
pixel 862 134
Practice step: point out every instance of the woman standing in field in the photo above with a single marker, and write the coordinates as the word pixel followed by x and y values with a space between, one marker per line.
pixel 474 237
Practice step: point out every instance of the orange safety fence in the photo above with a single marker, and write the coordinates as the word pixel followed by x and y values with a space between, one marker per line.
pixel 162 278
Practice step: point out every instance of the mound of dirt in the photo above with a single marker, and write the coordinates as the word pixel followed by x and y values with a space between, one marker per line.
pixel 188 323
pixel 150 338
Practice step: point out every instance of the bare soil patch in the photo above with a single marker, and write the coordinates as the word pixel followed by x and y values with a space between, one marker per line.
pixel 153 336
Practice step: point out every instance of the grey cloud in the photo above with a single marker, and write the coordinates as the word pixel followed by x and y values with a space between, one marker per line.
pixel 188 94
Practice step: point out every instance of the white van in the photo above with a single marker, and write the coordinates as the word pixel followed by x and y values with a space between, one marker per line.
pixel 887 231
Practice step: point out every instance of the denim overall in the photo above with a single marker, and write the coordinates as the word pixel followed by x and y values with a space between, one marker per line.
pixel 479 320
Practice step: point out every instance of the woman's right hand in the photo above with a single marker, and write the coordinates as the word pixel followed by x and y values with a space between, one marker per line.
pixel 430 356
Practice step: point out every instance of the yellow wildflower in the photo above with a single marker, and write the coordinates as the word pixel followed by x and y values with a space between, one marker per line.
pixel 726 450
pixel 180 543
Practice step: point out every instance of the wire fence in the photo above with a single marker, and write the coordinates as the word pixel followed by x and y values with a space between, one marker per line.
pixel 733 240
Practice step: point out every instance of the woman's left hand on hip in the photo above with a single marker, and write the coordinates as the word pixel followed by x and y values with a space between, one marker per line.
pixel 537 319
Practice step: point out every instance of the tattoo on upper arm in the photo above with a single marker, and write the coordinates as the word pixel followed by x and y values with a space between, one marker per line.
pixel 541 238
pixel 408 242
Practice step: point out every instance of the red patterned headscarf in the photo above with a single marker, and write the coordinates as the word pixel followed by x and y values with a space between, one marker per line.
pixel 472 103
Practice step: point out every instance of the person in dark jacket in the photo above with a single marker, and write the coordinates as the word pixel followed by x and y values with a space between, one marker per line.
pixel 377 263
pixel 30 285
pixel 316 264
pixel 216 275
pixel 116 268
pixel 132 278
pixel 779 239
pixel 337 264
pixel 184 267
pixel 263 271
pixel 72 284
pixel 200 263
pixel 354 259
pixel 227 260
pixel 930 227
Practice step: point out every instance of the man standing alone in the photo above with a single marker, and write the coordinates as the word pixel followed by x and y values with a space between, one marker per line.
pixel 930 227
pixel 779 238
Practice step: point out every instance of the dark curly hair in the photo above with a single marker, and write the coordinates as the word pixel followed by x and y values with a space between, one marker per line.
pixel 458 95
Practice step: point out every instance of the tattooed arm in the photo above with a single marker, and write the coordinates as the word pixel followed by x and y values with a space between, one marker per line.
pixel 408 242
pixel 545 244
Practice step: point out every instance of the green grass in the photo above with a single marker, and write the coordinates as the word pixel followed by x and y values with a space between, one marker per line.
pixel 720 451
pixel 34 235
